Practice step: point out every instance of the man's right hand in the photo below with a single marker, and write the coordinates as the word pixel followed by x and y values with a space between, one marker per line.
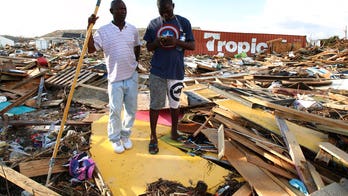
pixel 92 19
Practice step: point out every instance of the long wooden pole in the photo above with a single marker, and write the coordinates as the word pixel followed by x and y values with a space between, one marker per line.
pixel 71 93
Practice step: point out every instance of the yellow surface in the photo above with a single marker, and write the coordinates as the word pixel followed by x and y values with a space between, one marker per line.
pixel 130 172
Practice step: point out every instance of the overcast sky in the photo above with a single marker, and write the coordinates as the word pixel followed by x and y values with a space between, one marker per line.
pixel 314 18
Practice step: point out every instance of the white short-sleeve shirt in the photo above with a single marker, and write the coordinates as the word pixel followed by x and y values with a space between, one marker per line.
pixel 118 47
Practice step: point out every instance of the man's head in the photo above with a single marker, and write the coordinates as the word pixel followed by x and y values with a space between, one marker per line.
pixel 119 10
pixel 165 9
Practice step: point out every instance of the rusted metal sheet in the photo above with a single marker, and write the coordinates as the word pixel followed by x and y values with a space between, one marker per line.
pixel 229 43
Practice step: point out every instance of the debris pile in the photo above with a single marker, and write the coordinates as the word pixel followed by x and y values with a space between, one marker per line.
pixel 273 117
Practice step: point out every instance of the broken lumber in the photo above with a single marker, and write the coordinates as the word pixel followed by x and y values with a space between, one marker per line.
pixel 334 151
pixel 303 115
pixel 297 156
pixel 306 137
pixel 24 182
pixel 40 167
pixel 261 182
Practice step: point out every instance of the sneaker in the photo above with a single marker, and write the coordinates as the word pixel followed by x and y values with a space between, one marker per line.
pixel 118 147
pixel 127 143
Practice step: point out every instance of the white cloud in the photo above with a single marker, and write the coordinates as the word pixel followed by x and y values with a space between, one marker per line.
pixel 316 19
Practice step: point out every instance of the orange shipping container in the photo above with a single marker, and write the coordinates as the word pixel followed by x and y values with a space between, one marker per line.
pixel 228 43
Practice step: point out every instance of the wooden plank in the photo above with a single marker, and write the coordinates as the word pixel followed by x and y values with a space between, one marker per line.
pixel 232 121
pixel 270 150
pixel 53 78
pixel 230 95
pixel 334 151
pixel 252 146
pixel 338 97
pixel 29 79
pixel 66 79
pixel 306 137
pixel 262 164
pixel 323 157
pixel 195 87
pixel 207 93
pixel 297 156
pixel 24 182
pixel 63 76
pixel 280 183
pixel 304 116
pixel 245 190
pixel 84 75
pixel 336 106
pixel 316 176
pixel 250 172
pixel 221 141
pixel 52 103
pixel 202 126
pixel 89 77
pixel 325 128
pixel 40 167
pixel 261 182
pixel 265 154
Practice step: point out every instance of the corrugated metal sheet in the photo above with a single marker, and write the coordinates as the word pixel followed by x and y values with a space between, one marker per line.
pixel 229 43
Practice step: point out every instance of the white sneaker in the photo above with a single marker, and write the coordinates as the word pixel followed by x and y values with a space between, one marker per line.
pixel 118 147
pixel 127 143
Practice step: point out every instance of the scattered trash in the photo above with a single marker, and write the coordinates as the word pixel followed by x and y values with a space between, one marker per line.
pixel 298 184
pixel 81 167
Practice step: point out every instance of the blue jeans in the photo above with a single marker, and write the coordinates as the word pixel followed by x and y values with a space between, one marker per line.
pixel 122 95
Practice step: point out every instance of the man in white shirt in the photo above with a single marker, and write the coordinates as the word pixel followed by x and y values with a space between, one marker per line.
pixel 120 44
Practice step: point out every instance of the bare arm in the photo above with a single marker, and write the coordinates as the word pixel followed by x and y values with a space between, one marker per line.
pixel 91 20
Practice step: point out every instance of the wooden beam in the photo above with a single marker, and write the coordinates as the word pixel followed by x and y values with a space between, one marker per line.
pixel 230 120
pixel 261 152
pixel 202 126
pixel 261 182
pixel 258 180
pixel 262 164
pixel 304 116
pixel 252 146
pixel 40 167
pixel 24 182
pixel 29 79
pixel 334 151
pixel 280 183
pixel 316 176
pixel 325 128
pixel 297 156
pixel 221 141
pixel 307 137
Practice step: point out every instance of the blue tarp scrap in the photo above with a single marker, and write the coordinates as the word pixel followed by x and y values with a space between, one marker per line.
pixel 16 110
